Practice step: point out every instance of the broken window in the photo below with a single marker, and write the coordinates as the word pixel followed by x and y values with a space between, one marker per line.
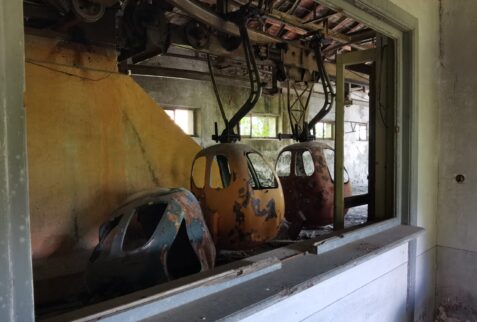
pixel 284 164
pixel 261 173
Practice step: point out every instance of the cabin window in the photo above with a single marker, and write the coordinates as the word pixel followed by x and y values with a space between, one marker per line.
pixel 220 173
pixel 142 225
pixel 261 173
pixel 284 164
pixel 198 172
pixel 304 165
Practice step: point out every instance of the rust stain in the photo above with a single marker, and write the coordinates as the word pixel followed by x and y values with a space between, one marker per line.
pixel 309 198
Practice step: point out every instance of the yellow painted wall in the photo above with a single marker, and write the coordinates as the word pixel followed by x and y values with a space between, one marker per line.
pixel 94 138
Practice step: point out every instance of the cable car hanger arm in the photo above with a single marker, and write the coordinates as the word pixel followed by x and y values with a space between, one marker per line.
pixel 303 131
pixel 241 18
pixel 325 80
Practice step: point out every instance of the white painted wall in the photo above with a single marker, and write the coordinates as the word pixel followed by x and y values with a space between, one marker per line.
pixel 372 291
pixel 457 220
pixel 428 67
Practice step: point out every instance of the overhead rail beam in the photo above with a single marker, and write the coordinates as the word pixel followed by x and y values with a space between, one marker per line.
pixel 198 12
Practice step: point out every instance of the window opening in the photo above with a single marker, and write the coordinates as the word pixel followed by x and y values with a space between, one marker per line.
pixel 324 130
pixel 198 172
pixel 182 249
pixel 259 126
pixel 142 225
pixel 261 172
pixel 221 168
pixel 184 118
pixel 304 165
pixel 284 164
pixel 363 132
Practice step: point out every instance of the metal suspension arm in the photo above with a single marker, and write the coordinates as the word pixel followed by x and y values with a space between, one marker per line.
pixel 241 18
pixel 254 77
pixel 326 83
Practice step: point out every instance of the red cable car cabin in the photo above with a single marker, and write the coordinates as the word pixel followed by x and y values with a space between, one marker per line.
pixel 306 173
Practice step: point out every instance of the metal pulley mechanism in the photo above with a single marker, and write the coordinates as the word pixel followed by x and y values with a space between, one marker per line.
pixel 144 30
pixel 196 34
pixel 88 11
pixel 302 130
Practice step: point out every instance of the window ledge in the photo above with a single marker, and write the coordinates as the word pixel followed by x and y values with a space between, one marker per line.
pixel 253 283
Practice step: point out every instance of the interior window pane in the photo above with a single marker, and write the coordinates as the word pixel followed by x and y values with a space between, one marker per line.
pixel 170 113
pixel 245 126
pixel 261 171
pixel 264 126
pixel 185 120
pixel 319 130
pixel 328 131
pixel 284 164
